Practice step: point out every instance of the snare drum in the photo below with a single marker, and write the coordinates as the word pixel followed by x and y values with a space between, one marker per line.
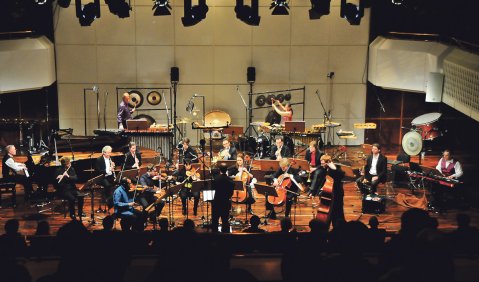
pixel 427 125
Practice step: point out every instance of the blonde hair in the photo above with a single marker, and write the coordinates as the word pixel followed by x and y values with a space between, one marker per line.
pixel 284 162
pixel 326 158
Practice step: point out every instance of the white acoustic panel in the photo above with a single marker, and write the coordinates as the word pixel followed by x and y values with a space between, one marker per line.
pixel 404 64
pixel 26 64
pixel 434 85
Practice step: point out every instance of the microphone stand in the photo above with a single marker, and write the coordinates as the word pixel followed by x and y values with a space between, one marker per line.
pixel 104 109
pixel 325 118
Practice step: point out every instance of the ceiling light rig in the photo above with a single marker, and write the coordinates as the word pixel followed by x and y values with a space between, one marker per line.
pixel 119 7
pixel 194 14
pixel 86 14
pixel 248 14
pixel 280 7
pixel 161 7
pixel 352 13
pixel 319 8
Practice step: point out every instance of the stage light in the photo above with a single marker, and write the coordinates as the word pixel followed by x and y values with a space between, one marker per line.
pixel 352 13
pixel 397 2
pixel 319 8
pixel 194 14
pixel 86 14
pixel 280 7
pixel 161 7
pixel 247 14
pixel 119 8
pixel 64 3
pixel 40 2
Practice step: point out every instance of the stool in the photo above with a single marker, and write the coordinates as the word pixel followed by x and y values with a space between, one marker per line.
pixel 9 188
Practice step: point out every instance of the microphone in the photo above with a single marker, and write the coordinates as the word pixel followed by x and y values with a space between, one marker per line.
pixel 317 91
pixel 95 88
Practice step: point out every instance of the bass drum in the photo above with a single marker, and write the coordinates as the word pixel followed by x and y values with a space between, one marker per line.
pixel 427 125
pixel 412 143
pixel 262 147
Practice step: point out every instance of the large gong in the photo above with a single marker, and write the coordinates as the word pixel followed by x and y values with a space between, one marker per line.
pixel 217 119
pixel 412 143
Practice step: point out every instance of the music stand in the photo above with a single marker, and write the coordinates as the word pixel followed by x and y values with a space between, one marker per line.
pixel 238 186
pixel 131 173
pixel 268 165
pixel 266 191
pixel 227 163
pixel 294 126
pixel 299 164
pixel 88 185
pixel 137 124
pixel 170 192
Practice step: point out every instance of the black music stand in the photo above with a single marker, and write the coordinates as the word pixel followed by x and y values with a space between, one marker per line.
pixel 131 173
pixel 88 185
pixel 266 191
pixel 170 192
pixel 137 124
pixel 295 126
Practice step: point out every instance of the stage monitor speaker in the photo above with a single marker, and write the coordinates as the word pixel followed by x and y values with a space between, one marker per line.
pixel 434 85
pixel 175 74
pixel 251 74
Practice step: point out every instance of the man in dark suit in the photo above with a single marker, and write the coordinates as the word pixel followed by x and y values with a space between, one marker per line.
pixel 223 186
pixel 375 171
pixel 150 184
pixel 105 166
pixel 279 151
pixel 124 111
pixel 313 156
pixel 188 153
pixel 66 178
pixel 228 152
pixel 132 158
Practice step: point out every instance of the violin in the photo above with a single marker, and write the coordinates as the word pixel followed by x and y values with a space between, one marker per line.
pixel 193 174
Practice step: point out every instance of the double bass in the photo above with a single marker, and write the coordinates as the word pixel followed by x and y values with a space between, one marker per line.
pixel 326 201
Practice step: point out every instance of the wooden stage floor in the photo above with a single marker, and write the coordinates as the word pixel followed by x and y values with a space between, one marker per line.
pixel 302 213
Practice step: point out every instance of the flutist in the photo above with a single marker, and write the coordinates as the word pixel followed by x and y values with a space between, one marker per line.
pixel 66 178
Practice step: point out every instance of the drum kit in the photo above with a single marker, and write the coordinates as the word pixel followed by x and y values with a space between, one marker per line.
pixel 424 128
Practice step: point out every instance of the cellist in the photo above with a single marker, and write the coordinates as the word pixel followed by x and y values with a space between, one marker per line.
pixel 242 171
pixel 337 174
pixel 285 173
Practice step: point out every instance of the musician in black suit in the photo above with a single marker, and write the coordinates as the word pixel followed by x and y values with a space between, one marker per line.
pixel 187 152
pixel 105 166
pixel 221 205
pixel 16 172
pixel 132 158
pixel 279 151
pixel 313 156
pixel 327 167
pixel 66 178
pixel 228 152
pixel 376 169
pixel 150 182
pixel 186 175
pixel 286 171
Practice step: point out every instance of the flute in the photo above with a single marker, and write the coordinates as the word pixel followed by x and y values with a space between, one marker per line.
pixel 63 175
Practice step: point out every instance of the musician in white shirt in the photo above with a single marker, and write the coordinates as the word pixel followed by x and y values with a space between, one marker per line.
pixel 16 172
pixel 106 167
pixel 449 167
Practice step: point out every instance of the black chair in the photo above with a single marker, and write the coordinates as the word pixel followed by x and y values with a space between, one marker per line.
pixel 8 187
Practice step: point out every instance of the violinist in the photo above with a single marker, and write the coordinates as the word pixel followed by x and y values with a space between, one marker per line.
pixel 123 204
pixel 66 178
pixel 186 175
pixel 228 152
pixel 242 171
pixel 313 156
pixel 149 182
pixel 133 157
pixel 337 174
pixel 285 171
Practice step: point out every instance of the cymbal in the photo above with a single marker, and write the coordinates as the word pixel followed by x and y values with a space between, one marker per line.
pixel 329 124
pixel 259 123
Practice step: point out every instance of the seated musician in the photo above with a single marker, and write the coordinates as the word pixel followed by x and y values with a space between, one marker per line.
pixel 451 169
pixel 149 181
pixel 187 151
pixel 335 172
pixel 286 112
pixel 16 172
pixel 123 204
pixel 133 157
pixel 66 178
pixel 375 171
pixel 228 152
pixel 237 172
pixel 285 171
pixel 105 166
pixel 313 156
pixel 279 150
pixel 186 175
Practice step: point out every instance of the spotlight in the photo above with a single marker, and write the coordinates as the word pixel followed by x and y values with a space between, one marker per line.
pixel 119 8
pixel 280 7
pixel 351 12
pixel 397 2
pixel 40 2
pixel 86 14
pixel 161 7
pixel 64 3
pixel 247 14
pixel 195 14
pixel 319 8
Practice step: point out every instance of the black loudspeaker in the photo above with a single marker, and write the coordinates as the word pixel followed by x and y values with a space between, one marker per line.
pixel 251 74
pixel 175 74
pixel 373 204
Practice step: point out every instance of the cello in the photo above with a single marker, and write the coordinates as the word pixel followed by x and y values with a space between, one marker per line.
pixel 284 184
pixel 240 196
